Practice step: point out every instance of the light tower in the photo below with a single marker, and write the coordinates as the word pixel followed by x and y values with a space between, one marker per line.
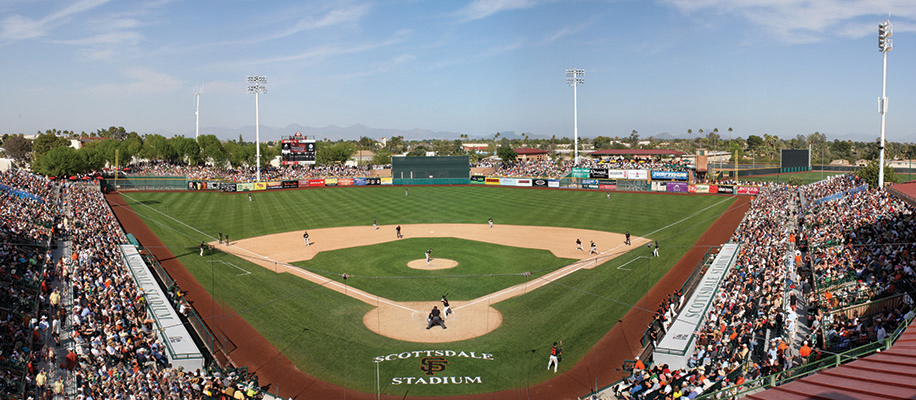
pixel 885 31
pixel 575 78
pixel 257 84
pixel 197 114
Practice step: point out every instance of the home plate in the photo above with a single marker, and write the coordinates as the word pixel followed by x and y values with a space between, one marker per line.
pixel 430 231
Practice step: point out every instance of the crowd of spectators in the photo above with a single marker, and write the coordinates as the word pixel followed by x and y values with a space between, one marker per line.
pixel 752 323
pixel 103 342
pixel 829 186
pixel 561 168
pixel 268 173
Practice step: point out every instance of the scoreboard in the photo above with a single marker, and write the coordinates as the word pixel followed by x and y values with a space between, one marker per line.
pixel 297 150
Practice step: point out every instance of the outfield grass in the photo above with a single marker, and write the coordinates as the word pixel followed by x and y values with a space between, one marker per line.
pixel 321 331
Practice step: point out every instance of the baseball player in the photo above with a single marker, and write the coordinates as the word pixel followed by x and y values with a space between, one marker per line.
pixel 202 249
pixel 398 229
pixel 305 237
pixel 490 221
pixel 445 306
pixel 220 237
pixel 579 245
pixel 655 251
pixel 627 242
pixel 554 359
pixel 594 249
pixel 374 226
pixel 249 197
pixel 435 318
pixel 227 239
pixel 428 253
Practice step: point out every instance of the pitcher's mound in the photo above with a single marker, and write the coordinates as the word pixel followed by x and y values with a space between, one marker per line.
pixel 436 263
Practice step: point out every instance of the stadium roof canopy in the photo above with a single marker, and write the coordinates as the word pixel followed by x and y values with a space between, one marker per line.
pixel 904 191
pixel 527 150
pixel 637 152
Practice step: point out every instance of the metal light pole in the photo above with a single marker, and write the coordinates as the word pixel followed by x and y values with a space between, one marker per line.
pixel 257 84
pixel 885 31
pixel 575 78
pixel 197 114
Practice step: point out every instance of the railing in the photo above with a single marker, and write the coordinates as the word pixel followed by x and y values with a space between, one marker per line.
pixel 829 360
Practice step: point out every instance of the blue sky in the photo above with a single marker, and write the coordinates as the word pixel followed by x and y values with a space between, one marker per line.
pixel 783 67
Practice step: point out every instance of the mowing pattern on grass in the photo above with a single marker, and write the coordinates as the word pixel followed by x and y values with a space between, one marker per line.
pixel 337 348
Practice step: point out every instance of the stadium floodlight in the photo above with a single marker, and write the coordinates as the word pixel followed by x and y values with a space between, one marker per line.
pixel 575 77
pixel 257 84
pixel 885 31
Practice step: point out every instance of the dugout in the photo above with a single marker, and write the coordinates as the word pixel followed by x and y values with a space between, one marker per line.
pixel 435 170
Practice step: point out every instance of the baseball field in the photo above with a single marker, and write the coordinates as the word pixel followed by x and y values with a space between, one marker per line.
pixel 515 288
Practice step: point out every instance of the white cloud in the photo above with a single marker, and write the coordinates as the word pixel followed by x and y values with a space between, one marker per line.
pixel 335 17
pixel 18 27
pixel 480 9
pixel 797 21
pixel 140 81
pixel 330 50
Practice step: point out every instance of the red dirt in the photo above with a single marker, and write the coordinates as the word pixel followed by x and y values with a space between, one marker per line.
pixel 253 350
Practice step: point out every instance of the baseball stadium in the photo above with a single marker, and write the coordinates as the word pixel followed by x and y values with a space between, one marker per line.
pixel 554 288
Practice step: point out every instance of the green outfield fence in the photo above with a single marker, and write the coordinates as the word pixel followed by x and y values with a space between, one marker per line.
pixel 145 183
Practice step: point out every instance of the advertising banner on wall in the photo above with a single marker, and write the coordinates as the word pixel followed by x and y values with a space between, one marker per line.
pixel 607 187
pixel 316 182
pixel 290 184
pixel 539 182
pixel 492 181
pixel 523 182
pixel 580 172
pixel 669 175
pixel 637 174
pixel 274 185
pixel 658 186
pixel 617 174
pixel 598 173
pixel 701 189
pixel 212 185
pixel 359 181
pixel 680 187
pixel 553 183
pixel 244 187
pixel 748 190
pixel 387 180
pixel 726 189
pixel 374 181
pixel 478 179
pixel 228 187
pixel 330 181
pixel 345 181
pixel 589 183
pixel 260 186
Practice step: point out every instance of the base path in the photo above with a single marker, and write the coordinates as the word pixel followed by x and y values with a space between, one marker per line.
pixel 597 367
pixel 406 321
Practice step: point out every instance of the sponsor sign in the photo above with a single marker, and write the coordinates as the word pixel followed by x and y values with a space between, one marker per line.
pixel 274 185
pixel 727 189
pixel 212 185
pixel 748 190
pixel 539 182
pixel 290 184
pixel 478 179
pixel 658 186
pixel 182 349
pixel 303 183
pixel 713 189
pixel 491 181
pixel 580 172
pixel 244 187
pixel 523 182
pixel 195 185
pixel 228 187
pixel 507 181
pixel 637 174
pixel 676 347
pixel 375 181
pixel 553 183
pixel 260 186
pixel 434 367
pixel 701 189
pixel 316 182
pixel 692 188
pixel 608 187
pixel 680 187
pixel 617 174
pixel 330 181
pixel 359 181
pixel 345 181
pixel 598 173
pixel 669 175
pixel 607 182
pixel 387 181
